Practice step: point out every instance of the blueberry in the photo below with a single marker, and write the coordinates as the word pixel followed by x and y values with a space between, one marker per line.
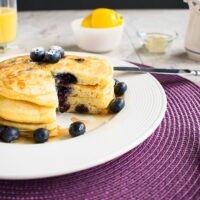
pixel 2 128
pixel 81 109
pixel 117 105
pixel 64 90
pixel 41 135
pixel 120 88
pixel 61 100
pixel 37 54
pixel 52 56
pixel 10 134
pixel 65 78
pixel 59 49
pixel 77 129
pixel 64 108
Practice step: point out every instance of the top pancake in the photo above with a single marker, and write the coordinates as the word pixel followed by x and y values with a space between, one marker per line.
pixel 22 79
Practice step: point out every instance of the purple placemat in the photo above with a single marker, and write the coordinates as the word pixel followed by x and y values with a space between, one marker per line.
pixel 165 166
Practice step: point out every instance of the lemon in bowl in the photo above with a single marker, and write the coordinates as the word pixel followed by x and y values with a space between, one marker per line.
pixel 100 31
pixel 102 18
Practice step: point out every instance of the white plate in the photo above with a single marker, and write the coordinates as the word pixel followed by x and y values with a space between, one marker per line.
pixel 144 110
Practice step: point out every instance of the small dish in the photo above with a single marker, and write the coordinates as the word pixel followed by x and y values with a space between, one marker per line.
pixel 96 39
pixel 157 42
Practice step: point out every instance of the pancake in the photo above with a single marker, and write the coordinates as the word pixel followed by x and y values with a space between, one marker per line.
pixel 22 79
pixel 27 126
pixel 19 82
pixel 87 70
pixel 97 102
pixel 97 91
pixel 30 92
pixel 25 112
pixel 34 86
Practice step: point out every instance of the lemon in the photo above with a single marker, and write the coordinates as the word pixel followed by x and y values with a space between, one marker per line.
pixel 87 21
pixel 102 18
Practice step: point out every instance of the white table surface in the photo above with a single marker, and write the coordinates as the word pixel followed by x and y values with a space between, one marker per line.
pixel 46 28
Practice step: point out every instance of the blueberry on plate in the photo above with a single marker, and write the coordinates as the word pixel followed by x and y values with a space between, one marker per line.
pixel 117 105
pixel 9 134
pixel 37 54
pixel 120 88
pixel 41 135
pixel 77 129
pixel 52 56
pixel 59 49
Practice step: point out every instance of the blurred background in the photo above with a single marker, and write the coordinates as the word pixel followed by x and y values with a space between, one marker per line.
pixel 90 4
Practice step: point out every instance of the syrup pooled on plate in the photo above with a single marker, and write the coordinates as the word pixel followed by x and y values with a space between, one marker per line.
pixel 91 123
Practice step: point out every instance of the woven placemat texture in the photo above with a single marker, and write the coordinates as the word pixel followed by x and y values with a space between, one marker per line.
pixel 165 166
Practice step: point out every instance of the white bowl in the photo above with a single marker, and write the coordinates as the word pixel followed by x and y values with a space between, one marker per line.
pixel 96 39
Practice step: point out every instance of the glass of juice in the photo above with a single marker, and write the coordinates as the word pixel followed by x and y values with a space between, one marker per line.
pixel 8 22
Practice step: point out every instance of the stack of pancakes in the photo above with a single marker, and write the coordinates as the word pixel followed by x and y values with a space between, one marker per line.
pixel 31 92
